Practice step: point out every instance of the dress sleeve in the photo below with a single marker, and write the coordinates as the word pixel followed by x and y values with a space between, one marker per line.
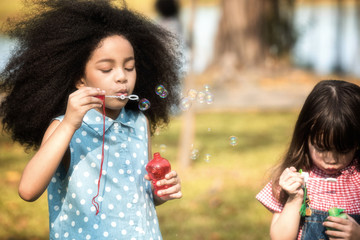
pixel 266 198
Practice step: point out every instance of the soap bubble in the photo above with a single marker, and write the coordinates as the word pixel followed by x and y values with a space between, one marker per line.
pixel 161 91
pixel 201 97
pixel 192 94
pixel 233 140
pixel 194 154
pixel 185 104
pixel 162 148
pixel 207 88
pixel 209 98
pixel 144 104
pixel 207 157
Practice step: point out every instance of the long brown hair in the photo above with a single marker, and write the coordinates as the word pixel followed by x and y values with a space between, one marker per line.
pixel 330 117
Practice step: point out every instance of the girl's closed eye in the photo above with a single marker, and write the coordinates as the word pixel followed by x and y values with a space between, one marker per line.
pixel 130 69
pixel 320 150
pixel 106 70
pixel 129 65
pixel 104 67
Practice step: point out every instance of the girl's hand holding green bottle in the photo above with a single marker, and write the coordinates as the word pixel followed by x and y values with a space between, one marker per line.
pixel 336 212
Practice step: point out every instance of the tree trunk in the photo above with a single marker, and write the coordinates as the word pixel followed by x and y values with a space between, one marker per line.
pixel 188 119
pixel 250 31
pixel 340 11
pixel 238 32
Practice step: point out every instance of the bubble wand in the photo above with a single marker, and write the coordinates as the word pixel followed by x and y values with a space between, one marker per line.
pixel 123 97
pixel 305 209
pixel 305 206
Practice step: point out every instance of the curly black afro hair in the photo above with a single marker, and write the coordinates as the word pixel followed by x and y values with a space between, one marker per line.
pixel 53 49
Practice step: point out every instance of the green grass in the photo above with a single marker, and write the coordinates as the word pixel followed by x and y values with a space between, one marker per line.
pixel 219 193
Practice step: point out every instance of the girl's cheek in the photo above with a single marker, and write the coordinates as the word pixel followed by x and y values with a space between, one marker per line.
pixel 319 155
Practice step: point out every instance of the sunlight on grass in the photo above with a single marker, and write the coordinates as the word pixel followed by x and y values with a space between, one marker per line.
pixel 219 193
pixel 19 220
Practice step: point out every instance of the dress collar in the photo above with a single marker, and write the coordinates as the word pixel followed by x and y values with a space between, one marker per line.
pixel 94 120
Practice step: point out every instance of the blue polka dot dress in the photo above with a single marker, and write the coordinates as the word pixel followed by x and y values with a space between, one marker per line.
pixel 125 198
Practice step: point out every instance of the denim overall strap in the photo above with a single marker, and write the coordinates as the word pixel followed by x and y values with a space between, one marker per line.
pixel 313 228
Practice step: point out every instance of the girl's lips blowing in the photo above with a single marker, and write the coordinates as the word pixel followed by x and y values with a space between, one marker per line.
pixel 331 170
pixel 121 94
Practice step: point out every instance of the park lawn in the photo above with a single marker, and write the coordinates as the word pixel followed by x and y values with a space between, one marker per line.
pixel 219 188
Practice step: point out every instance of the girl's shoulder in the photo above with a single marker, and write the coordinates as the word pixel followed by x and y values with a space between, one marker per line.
pixel 128 116
pixel 133 115
pixel 266 198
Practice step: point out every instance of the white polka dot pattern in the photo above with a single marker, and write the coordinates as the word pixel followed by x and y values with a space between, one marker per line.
pixel 125 197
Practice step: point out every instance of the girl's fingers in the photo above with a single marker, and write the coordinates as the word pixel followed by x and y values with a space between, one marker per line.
pixel 292 169
pixel 147 177
pixel 88 95
pixel 335 234
pixel 172 192
pixel 81 101
pixel 170 179
pixel 90 91
pixel 163 182
pixel 171 174
pixel 87 92
pixel 85 99
pixel 177 195
pixel 291 175
pixel 291 181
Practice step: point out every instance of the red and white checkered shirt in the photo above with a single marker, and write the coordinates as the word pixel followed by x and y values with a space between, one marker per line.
pixel 344 193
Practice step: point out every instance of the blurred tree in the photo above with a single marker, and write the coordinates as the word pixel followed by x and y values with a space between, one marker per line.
pixel 340 11
pixel 251 31
pixel 187 133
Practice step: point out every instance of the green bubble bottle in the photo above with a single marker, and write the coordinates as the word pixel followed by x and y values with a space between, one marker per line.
pixel 336 212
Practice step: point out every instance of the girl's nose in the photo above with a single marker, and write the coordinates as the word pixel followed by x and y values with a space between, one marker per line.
pixel 332 156
pixel 120 76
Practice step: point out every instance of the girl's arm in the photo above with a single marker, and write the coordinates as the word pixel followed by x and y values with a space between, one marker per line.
pixel 285 225
pixel 40 169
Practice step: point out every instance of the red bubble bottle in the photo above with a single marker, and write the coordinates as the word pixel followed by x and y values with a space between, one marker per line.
pixel 157 168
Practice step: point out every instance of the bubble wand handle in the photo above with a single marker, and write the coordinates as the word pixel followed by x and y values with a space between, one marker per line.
pixel 307 178
pixel 324 179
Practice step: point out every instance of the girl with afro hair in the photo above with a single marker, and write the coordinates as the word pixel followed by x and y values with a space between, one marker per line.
pixel 69 92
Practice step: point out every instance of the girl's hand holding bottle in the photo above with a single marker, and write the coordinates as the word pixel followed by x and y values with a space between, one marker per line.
pixel 291 181
pixel 79 103
pixel 346 229
pixel 173 192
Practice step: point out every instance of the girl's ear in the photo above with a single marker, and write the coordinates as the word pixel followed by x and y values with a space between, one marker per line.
pixel 80 83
